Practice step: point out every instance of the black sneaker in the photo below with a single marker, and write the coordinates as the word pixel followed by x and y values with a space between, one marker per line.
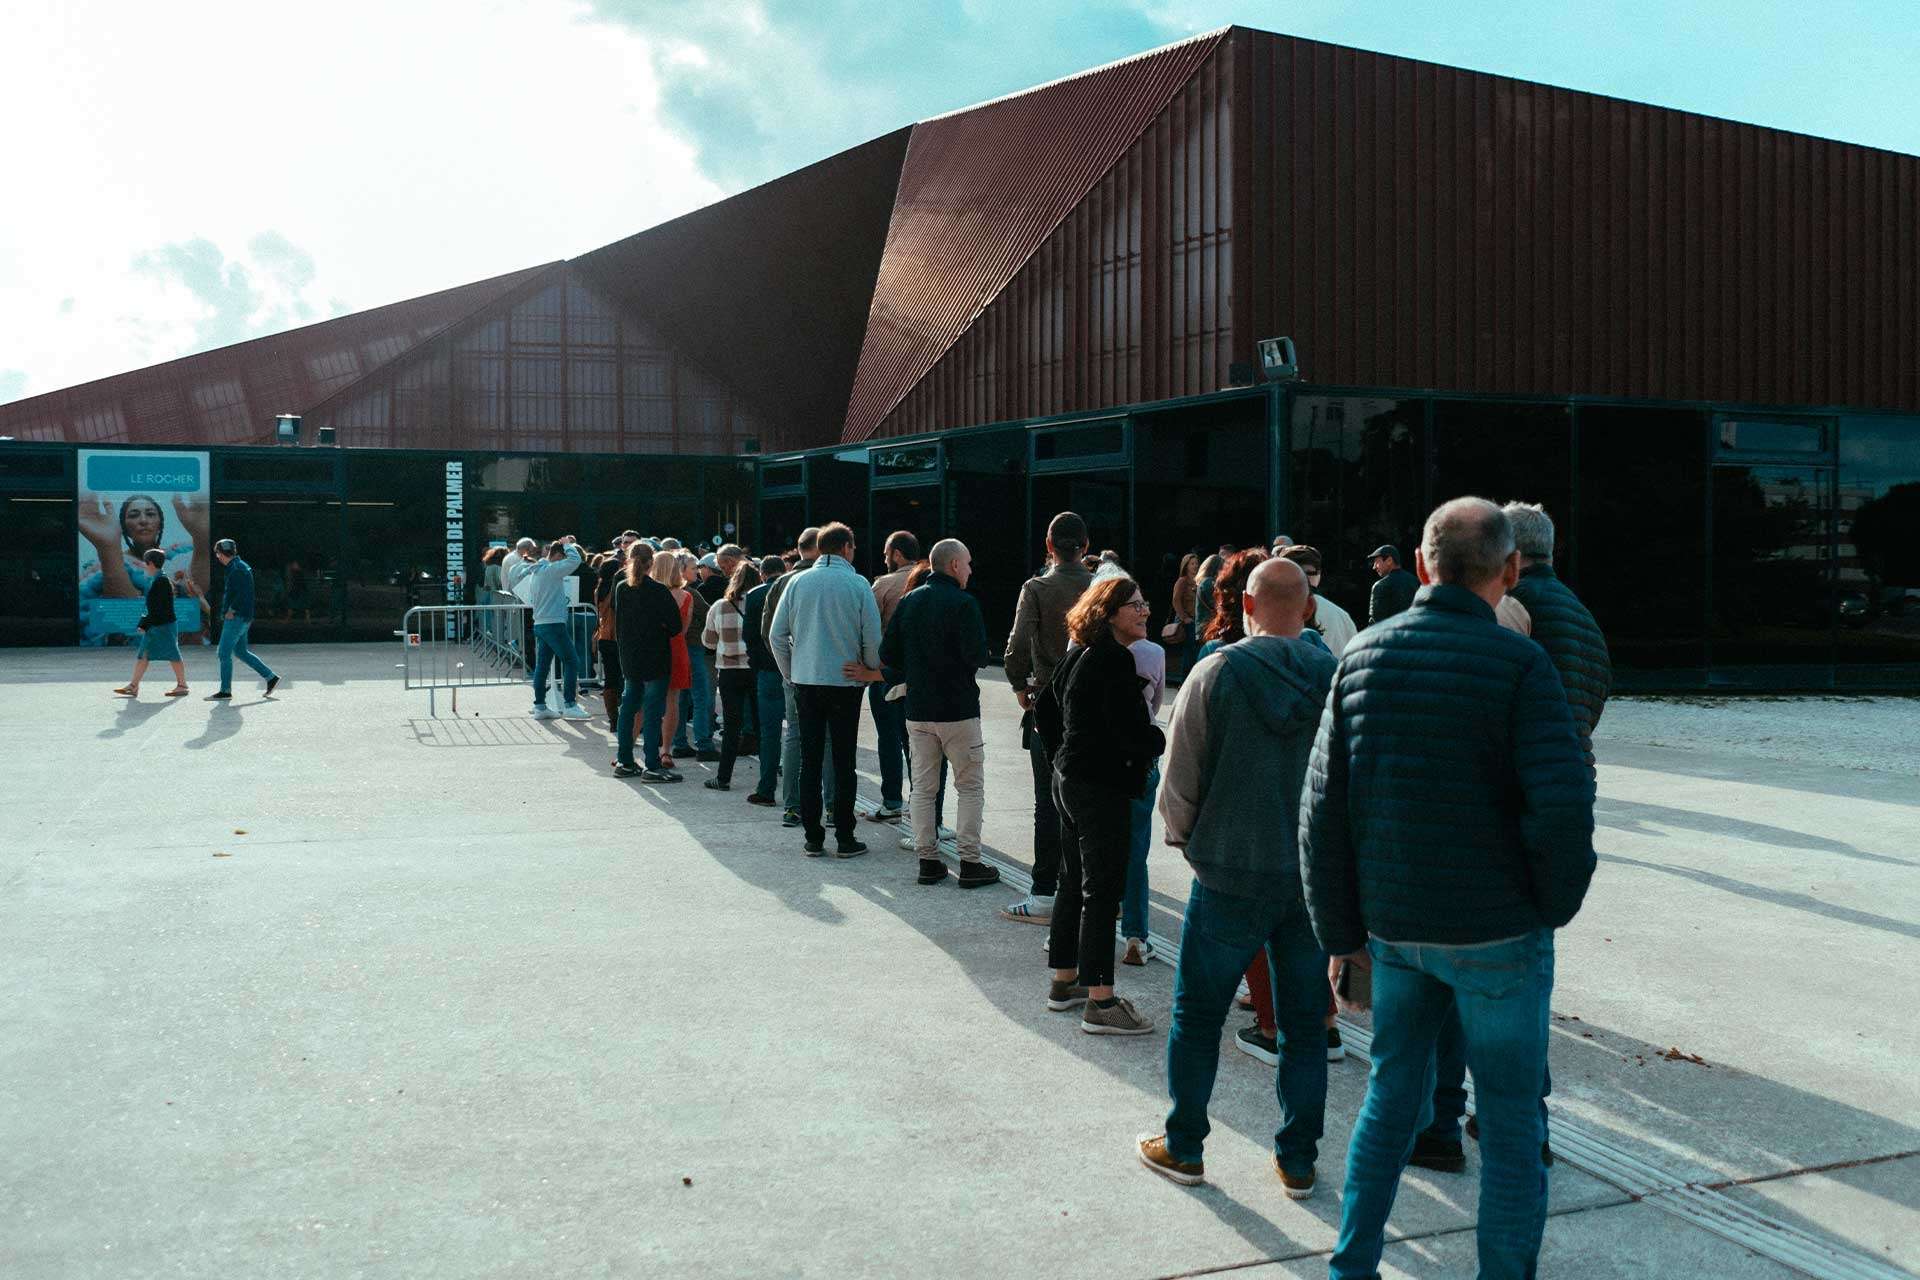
pixel 754 797
pixel 714 784
pixel 1336 1051
pixel 847 847
pixel 816 848
pixel 656 775
pixel 974 874
pixel 624 770
pixel 271 682
pixel 932 871
pixel 791 818
pixel 221 696
pixel 1255 1045
pixel 1439 1154
pixel 708 756
pixel 682 753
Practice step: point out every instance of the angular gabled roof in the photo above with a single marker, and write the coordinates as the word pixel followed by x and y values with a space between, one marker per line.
pixel 769 289
pixel 230 394
pixel 979 192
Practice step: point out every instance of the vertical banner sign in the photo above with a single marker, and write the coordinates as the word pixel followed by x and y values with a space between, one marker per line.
pixel 456 532
pixel 132 502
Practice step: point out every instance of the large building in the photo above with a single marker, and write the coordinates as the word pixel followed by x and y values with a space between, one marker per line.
pixel 1697 341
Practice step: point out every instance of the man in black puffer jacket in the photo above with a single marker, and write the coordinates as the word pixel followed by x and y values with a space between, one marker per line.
pixel 1561 624
pixel 1447 831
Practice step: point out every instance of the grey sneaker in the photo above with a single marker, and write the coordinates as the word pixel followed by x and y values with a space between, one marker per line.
pixel 1062 996
pixel 1118 1019
pixel 1029 910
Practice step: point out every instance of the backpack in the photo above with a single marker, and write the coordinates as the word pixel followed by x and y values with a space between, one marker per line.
pixel 1049 709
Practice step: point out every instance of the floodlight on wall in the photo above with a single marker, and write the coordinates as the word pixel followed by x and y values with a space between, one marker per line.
pixel 286 428
pixel 323 435
pixel 1278 360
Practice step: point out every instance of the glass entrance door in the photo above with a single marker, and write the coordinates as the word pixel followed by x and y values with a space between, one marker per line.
pixel 1773 603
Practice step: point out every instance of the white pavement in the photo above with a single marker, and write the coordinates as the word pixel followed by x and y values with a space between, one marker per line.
pixel 320 985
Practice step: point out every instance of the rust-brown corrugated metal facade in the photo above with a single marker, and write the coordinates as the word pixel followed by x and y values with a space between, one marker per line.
pixel 1126 236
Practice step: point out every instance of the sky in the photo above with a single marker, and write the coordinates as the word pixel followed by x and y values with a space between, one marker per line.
pixel 180 176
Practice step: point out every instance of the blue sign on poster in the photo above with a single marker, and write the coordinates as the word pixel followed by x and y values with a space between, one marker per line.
pixel 147 472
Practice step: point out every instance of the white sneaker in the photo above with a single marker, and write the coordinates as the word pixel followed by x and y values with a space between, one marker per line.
pixel 1243 995
pixel 1030 910
pixel 574 711
pixel 544 713
pixel 906 841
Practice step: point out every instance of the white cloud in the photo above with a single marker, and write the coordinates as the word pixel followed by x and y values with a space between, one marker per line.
pixel 299 161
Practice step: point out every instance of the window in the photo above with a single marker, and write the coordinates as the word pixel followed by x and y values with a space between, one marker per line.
pixel 1103 441
pixel 1879 550
pixel 1357 479
pixel 1763 436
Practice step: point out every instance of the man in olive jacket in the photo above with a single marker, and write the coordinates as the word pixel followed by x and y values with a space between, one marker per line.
pixel 1237 751
pixel 1447 832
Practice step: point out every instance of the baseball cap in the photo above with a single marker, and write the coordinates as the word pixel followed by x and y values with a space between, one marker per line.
pixel 1384 549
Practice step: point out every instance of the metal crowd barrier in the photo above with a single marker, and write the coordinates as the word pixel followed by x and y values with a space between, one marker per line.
pixel 460 646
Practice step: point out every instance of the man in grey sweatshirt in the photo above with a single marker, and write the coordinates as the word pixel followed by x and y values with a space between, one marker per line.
pixel 1237 752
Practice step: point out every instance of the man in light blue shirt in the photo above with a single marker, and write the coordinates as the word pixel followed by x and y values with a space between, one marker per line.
pixel 826 620
pixel 542 586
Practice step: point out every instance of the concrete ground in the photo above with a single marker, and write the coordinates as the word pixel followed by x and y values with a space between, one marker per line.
pixel 320 985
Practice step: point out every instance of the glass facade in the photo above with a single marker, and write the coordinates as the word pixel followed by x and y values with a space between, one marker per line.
pixel 342 542
pixel 1356 479
pixel 1200 480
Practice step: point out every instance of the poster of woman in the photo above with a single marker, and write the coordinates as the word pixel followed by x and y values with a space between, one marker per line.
pixel 132 502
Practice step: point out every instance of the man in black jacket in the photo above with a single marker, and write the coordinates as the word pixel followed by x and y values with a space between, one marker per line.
pixel 645 621
pixel 939 640
pixel 1393 586
pixel 1447 831
pixel 770 692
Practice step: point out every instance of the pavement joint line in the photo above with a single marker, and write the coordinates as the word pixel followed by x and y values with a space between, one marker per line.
pixel 1702 1205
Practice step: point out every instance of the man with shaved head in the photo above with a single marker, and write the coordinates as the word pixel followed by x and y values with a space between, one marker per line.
pixel 1237 750
pixel 1448 832
pixel 938 640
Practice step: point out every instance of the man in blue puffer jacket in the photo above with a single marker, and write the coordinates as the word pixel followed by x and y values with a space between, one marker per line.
pixel 1447 830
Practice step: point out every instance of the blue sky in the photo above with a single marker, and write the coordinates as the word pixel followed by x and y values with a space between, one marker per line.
pixel 223 169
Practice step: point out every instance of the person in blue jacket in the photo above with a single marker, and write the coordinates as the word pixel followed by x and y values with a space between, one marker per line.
pixel 236 608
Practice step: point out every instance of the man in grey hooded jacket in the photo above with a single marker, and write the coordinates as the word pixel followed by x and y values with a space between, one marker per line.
pixel 1237 752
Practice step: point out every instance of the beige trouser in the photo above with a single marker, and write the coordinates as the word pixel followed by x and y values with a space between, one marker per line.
pixel 966 754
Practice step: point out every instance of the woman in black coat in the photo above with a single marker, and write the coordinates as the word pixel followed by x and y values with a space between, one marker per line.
pixel 645 621
pixel 1107 742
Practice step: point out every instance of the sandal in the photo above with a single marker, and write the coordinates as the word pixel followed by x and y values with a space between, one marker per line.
pixel 128 691
pixel 178 691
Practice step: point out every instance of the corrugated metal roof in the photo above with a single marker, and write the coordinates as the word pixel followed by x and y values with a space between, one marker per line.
pixel 979 192
pixel 230 394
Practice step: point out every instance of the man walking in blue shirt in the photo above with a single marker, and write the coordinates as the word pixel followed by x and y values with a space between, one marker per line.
pixel 236 610
pixel 542 586
pixel 824 620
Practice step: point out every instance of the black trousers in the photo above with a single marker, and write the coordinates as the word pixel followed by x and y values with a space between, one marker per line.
pixel 736 695
pixel 611 682
pixel 1096 836
pixel 828 713
pixel 1046 822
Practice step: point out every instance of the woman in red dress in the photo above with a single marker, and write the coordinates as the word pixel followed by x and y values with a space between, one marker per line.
pixel 668 573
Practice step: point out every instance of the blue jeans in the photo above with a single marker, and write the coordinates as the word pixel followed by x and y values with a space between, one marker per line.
pixel 1133 903
pixel 552 644
pixel 1450 1080
pixel 771 693
pixel 696 704
pixel 790 759
pixel 1501 994
pixel 1221 936
pixel 890 728
pixel 233 644
pixel 648 699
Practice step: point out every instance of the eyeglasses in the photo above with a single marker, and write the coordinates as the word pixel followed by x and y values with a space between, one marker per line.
pixel 1136 604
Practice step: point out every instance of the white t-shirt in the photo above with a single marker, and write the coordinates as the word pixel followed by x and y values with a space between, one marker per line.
pixel 1150 662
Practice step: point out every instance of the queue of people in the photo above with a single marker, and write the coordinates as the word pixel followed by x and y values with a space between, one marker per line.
pixel 1405 808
